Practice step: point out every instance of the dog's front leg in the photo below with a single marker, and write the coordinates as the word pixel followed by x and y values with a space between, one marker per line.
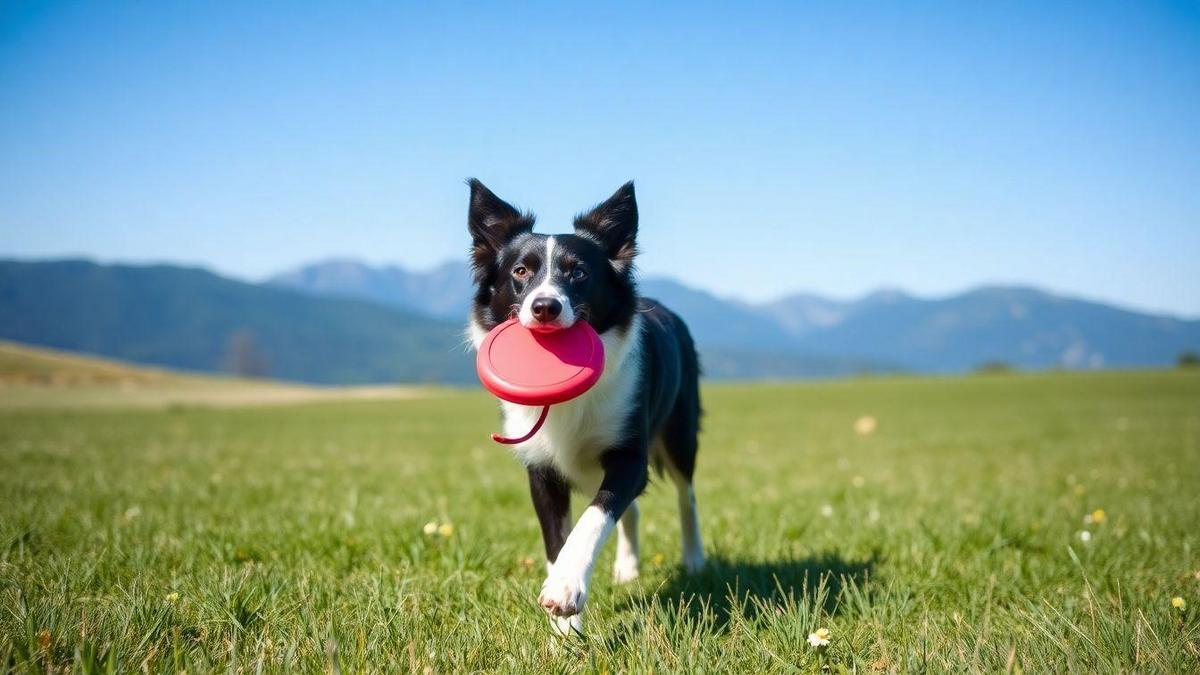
pixel 565 589
pixel 552 502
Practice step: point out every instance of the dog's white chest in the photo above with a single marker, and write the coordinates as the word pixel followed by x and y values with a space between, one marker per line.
pixel 578 431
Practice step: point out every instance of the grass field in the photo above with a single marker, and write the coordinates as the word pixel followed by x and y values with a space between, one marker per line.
pixel 290 538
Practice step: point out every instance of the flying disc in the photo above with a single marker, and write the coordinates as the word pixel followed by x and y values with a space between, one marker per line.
pixel 539 368
pixel 534 368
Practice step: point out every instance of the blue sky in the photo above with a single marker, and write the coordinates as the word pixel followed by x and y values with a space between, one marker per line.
pixel 776 148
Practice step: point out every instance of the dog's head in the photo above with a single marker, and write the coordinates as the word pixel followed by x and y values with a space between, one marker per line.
pixel 551 281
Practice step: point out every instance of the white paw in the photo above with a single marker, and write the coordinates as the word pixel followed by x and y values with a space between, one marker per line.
pixel 567 626
pixel 693 561
pixel 562 595
pixel 625 569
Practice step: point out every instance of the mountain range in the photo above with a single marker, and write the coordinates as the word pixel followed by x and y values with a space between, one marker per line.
pixel 343 321
pixel 806 334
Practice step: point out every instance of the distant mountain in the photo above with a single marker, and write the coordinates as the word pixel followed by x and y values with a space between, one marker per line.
pixel 715 322
pixel 807 334
pixel 804 313
pixel 1024 327
pixel 193 319
pixel 346 322
pixel 443 292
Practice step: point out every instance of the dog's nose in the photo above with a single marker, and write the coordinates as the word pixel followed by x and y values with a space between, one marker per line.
pixel 546 309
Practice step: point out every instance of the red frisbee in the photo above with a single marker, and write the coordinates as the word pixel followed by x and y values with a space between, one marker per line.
pixel 534 368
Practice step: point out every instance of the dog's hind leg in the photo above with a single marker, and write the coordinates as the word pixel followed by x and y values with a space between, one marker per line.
pixel 689 522
pixel 680 444
pixel 625 566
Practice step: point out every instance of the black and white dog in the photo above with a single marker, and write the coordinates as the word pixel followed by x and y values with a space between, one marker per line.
pixel 644 411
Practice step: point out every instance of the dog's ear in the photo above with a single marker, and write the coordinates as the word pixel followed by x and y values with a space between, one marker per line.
pixel 492 222
pixel 613 223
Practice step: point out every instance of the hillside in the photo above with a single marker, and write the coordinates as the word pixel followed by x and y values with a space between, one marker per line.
pixel 40 378
pixel 195 320
pixel 24 365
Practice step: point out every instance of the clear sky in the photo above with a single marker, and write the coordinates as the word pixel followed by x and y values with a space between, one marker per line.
pixel 776 148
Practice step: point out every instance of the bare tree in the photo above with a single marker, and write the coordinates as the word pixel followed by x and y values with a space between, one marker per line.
pixel 243 357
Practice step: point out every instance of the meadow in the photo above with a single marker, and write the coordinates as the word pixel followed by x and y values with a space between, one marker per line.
pixel 1017 522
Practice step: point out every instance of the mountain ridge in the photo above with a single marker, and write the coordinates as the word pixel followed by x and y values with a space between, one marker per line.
pixel 350 323
pixel 1022 325
pixel 460 270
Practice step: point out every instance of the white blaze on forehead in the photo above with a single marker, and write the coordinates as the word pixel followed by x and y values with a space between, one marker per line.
pixel 549 263
pixel 547 289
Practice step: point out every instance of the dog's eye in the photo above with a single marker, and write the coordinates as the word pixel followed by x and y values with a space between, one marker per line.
pixel 578 273
pixel 520 273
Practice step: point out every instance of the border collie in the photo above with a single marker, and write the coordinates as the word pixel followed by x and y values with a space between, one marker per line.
pixel 644 411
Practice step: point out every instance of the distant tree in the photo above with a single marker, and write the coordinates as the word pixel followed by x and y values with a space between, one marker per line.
pixel 1188 359
pixel 243 357
pixel 994 367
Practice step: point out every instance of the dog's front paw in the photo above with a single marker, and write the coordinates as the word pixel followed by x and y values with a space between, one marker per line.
pixel 562 595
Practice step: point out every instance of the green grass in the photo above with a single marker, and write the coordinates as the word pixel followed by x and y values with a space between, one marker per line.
pixel 948 539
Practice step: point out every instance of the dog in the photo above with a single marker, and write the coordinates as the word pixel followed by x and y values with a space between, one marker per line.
pixel 643 412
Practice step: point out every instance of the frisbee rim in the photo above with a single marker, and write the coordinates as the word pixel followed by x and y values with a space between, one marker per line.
pixel 533 395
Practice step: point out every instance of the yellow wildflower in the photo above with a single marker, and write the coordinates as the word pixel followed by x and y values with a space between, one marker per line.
pixel 430 528
pixel 445 529
pixel 1179 603
pixel 172 597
